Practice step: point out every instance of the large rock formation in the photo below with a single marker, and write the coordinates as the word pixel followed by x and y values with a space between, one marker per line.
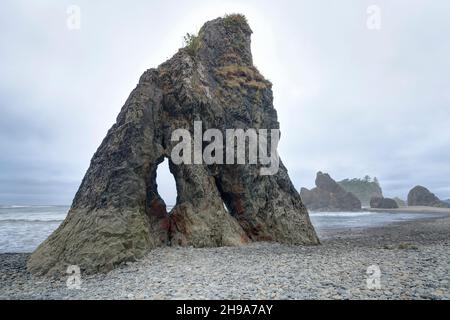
pixel 364 189
pixel 117 214
pixel 383 203
pixel 421 196
pixel 329 196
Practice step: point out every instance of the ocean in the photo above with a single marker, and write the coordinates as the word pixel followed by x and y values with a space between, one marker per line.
pixel 326 222
pixel 23 228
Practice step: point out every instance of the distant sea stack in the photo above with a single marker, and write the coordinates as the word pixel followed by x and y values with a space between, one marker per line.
pixel 364 189
pixel 421 196
pixel 117 214
pixel 329 196
pixel 383 203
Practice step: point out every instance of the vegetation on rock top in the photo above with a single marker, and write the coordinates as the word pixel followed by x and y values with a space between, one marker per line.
pixel 234 19
pixel 192 43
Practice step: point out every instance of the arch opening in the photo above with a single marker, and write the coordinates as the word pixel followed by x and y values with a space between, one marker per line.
pixel 166 186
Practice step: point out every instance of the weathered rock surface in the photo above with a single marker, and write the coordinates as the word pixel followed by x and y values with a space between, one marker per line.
pixel 117 214
pixel 421 196
pixel 383 203
pixel 329 196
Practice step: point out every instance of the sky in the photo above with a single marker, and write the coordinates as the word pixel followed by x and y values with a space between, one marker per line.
pixel 351 99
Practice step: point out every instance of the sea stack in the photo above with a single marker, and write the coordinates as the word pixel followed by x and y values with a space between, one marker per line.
pixel 383 203
pixel 117 214
pixel 421 196
pixel 329 196
pixel 364 189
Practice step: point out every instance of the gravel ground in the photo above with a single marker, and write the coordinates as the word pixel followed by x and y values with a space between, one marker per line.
pixel 413 257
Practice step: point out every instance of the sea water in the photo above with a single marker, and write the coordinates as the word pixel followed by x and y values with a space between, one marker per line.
pixel 327 223
pixel 23 228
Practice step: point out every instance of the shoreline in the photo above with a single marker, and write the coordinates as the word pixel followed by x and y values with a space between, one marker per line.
pixel 413 257
pixel 412 209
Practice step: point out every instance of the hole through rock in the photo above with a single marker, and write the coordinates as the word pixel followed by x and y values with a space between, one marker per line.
pixel 166 184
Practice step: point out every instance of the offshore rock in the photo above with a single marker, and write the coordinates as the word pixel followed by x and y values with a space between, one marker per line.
pixel 117 214
pixel 421 196
pixel 329 196
pixel 383 203
pixel 364 189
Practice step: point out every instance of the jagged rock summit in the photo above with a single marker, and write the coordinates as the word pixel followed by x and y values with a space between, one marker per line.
pixel 117 214
pixel 329 196
pixel 421 196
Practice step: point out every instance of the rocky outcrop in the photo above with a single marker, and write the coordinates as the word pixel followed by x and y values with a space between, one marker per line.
pixel 383 203
pixel 329 196
pixel 117 214
pixel 421 196
pixel 364 189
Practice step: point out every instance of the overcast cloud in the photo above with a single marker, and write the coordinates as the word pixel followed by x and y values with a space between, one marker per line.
pixel 351 101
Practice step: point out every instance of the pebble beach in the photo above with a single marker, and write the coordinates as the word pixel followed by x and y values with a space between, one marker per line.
pixel 413 259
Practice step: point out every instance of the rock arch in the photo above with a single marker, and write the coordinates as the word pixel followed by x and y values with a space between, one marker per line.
pixel 117 214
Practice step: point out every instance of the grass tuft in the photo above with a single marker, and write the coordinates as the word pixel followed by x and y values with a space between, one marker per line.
pixel 235 19
pixel 192 43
